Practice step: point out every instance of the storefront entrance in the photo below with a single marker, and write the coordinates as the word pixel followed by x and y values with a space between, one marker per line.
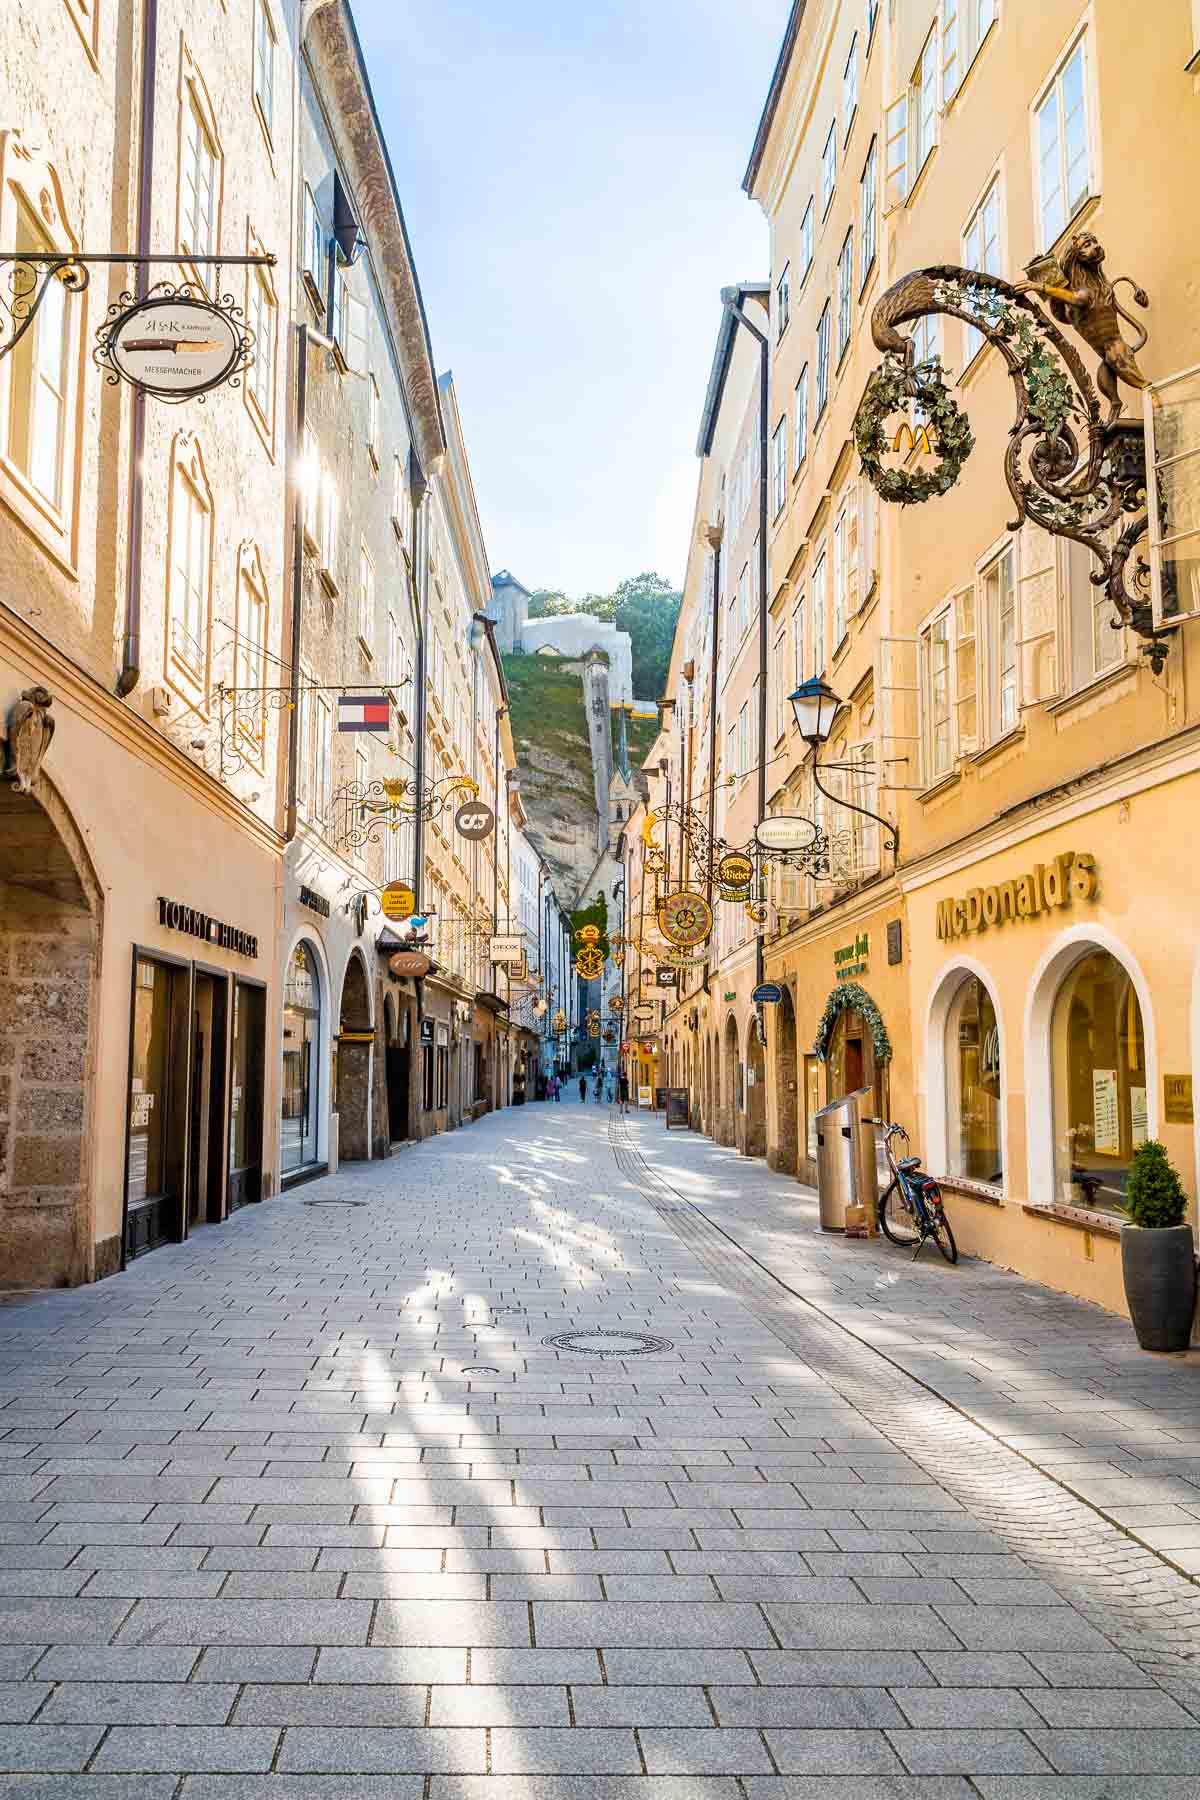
pixel 206 1120
pixel 246 1098
pixel 851 1062
pixel 300 1124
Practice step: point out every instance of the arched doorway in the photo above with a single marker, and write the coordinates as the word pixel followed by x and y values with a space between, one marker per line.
pixel 754 1135
pixel 396 1056
pixel 785 1150
pixel 50 905
pixel 731 1085
pixel 301 1116
pixel 712 1116
pixel 353 1096
pixel 851 1059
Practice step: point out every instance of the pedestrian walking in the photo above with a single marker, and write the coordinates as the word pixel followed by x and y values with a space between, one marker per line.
pixel 555 1088
pixel 623 1091
pixel 583 1087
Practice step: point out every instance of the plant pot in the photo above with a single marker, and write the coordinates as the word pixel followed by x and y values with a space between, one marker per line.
pixel 1160 1284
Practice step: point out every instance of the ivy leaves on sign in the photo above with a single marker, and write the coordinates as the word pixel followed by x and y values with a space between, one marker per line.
pixel 850 997
pixel 890 389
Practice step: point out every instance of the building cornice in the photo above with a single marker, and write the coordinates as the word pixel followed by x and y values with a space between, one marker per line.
pixel 73 687
pixel 774 94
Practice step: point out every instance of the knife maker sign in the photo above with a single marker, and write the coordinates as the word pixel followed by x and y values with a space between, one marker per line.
pixel 173 346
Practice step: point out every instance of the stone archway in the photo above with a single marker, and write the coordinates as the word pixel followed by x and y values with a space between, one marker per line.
pixel 754 1135
pixel 732 1085
pixel 50 936
pixel 354 1064
pixel 785 1147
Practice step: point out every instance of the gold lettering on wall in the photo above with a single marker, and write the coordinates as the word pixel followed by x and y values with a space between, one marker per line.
pixel 1071 876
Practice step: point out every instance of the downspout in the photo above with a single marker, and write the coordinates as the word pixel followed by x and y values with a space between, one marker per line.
pixel 764 419
pixel 496 848
pixel 131 650
pixel 297 580
pixel 420 605
pixel 715 535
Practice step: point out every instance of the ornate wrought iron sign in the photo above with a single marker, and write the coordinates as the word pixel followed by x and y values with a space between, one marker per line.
pixel 174 344
pixel 1073 468
pixel 685 917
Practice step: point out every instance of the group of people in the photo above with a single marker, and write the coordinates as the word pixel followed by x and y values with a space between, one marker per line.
pixel 604 1087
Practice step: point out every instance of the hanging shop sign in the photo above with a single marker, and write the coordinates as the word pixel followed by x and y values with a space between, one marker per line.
pixel 734 896
pixel 786 831
pixel 1071 876
pixel 767 993
pixel 398 901
pixel 616 1004
pixel 685 917
pixel 365 712
pixel 178 917
pixel 588 934
pixel 174 346
pixel 410 962
pixel 474 820
pixel 679 959
pixel 853 959
pixel 644 1012
pixel 508 949
pixel 589 963
pixel 735 870
pixel 666 978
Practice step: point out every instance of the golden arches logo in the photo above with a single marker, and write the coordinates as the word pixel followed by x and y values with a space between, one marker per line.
pixel 918 441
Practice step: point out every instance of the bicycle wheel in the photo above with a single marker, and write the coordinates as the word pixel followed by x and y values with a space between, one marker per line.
pixel 896 1219
pixel 939 1228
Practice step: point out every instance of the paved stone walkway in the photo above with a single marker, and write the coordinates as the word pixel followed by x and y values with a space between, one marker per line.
pixel 308 1508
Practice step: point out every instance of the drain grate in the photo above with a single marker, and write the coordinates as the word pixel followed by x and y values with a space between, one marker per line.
pixel 622 1343
pixel 334 1203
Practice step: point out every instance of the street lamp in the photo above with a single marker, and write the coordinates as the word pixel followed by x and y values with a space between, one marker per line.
pixel 816 707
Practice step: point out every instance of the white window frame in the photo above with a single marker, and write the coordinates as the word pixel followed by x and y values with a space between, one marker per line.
pixel 250 652
pixel 399 496
pixel 201 172
pixel 808 239
pixel 824 329
pixel 965 25
pixel 845 292
pixel 366 599
pixel 783 301
pixel 868 188
pixel 923 107
pixel 1000 671
pixel 313 249
pixel 819 595
pixel 850 89
pixel 305 728
pixel 800 420
pixel 45 362
pixel 262 319
pixel 373 419
pixel 799 644
pixel 983 252
pixel 829 170
pixel 779 467
pixel 939 626
pixel 1052 89
pixel 327 523
pixel 1099 632
pixel 264 67
pixel 190 557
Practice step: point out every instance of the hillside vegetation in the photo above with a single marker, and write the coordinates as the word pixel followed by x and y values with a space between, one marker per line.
pixel 549 726
pixel 646 606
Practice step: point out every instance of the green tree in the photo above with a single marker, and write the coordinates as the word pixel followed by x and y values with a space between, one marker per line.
pixel 647 607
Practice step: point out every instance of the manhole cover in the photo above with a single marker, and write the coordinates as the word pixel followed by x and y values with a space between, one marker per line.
pixel 615 1343
pixel 480 1369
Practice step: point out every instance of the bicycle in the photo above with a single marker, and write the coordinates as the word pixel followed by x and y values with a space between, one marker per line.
pixel 910 1207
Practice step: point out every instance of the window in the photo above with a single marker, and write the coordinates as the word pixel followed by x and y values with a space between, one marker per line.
pixel 973 1106
pixel 778 468
pixel 322 756
pixel 845 291
pixel 923 110
pixel 823 360
pixel 38 372
pixel 199 186
pixel 312 249
pixel 798 662
pixel 1098 1057
pixel 250 661
pixel 829 169
pixel 1061 146
pixel 783 302
pixel 872 15
pixel 846 584
pixel 399 497
pixel 800 420
pixel 981 250
pixel 191 560
pixel 329 525
pixel 310 482
pixel 743 740
pixel 1097 642
pixel 395 651
pixel 366 598
pixel 780 686
pixel 965 24
pixel 999 605
pixel 806 239
pixel 966 707
pixel 264 65
pixel 261 383
pixel 373 419
pixel 305 725
pixel 743 598
pixel 850 86
pixel 935 698
pixel 868 187
pixel 819 604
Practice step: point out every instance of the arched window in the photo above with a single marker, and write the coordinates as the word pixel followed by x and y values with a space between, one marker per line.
pixel 1098 1056
pixel 974 1132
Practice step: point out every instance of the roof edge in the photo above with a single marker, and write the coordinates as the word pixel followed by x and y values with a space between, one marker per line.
pixel 771 106
pixel 723 356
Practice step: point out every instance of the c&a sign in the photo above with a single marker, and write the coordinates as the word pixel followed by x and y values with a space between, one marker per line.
pixel 1071 876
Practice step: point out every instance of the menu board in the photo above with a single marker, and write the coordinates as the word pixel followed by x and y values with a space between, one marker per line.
pixel 645 1096
pixel 1139 1120
pixel 677 1107
pixel 1106 1118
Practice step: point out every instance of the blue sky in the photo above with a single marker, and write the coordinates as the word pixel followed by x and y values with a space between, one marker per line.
pixel 571 179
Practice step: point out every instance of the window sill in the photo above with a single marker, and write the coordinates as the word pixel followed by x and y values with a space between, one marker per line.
pixel 1014 736
pixel 398 528
pixel 1110 678
pixel 329 582
pixel 364 646
pixel 868 276
pixel 1083 213
pixel 985 1191
pixel 315 296
pixel 941 786
pixel 842 645
pixel 1081 1218
pixel 373 453
pixel 918 180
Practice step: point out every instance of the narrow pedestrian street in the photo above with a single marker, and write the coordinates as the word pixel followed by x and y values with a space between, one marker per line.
pixel 562 1458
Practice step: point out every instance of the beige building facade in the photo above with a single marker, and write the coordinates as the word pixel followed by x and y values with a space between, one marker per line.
pixel 1017 979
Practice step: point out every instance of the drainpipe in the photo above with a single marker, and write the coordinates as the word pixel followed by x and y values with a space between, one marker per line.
pixel 715 534
pixel 297 578
pixel 131 650
pixel 420 606
pixel 764 417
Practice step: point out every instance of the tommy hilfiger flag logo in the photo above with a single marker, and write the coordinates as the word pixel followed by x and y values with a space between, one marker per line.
pixel 364 712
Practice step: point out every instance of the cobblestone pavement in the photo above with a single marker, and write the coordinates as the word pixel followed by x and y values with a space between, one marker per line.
pixel 309 1507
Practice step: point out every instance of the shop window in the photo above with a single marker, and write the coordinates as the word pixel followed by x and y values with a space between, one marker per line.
pixel 301 1062
pixel 190 579
pixel 812 1104
pixel 973 1097
pixel 1098 1056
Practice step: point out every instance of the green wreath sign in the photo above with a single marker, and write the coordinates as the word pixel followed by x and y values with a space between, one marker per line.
pixel 945 429
pixel 849 997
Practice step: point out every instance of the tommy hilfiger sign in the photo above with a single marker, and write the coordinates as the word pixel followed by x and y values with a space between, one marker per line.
pixel 177 917
pixel 1071 876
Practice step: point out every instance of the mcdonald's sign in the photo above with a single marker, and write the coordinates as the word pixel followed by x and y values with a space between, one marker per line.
pixel 918 441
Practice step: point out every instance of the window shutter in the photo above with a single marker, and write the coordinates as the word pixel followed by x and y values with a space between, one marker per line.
pixel 1037 618
pixel 896 152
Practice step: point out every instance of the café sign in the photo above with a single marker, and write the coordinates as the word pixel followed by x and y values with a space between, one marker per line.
pixel 1069 877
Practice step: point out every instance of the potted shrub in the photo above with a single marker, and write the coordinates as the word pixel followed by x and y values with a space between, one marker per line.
pixel 1157 1252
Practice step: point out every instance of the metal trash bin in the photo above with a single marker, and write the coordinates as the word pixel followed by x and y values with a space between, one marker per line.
pixel 845 1158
